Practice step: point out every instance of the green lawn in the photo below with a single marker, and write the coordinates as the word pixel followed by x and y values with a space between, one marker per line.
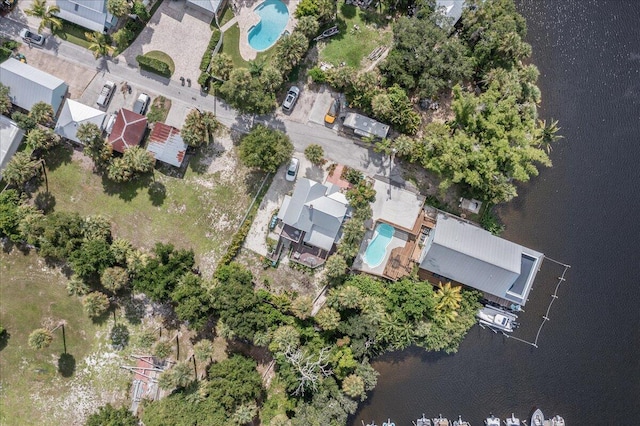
pixel 200 211
pixel 161 56
pixel 360 33
pixel 227 15
pixel 73 34
pixel 34 391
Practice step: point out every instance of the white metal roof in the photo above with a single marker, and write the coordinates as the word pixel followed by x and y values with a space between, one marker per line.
pixel 29 85
pixel 74 114
pixel 10 138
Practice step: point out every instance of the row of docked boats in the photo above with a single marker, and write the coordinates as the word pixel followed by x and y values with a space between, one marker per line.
pixel 537 419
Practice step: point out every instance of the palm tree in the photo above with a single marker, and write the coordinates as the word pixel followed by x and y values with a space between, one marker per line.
pixel 255 67
pixel 199 127
pixel 40 338
pixel 548 134
pixel 42 113
pixel 46 14
pixel 302 306
pixel 95 304
pixel 139 159
pixel 203 351
pixel 20 169
pixel 5 100
pixel 99 44
pixel 182 376
pixel 448 300
pixel 290 49
pixel 245 414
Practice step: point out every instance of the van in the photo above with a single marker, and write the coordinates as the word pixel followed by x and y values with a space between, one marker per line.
pixel 105 94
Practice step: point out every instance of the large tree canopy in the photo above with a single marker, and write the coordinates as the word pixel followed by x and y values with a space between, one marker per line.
pixel 265 148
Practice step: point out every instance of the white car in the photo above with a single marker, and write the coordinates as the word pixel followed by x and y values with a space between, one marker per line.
pixel 33 38
pixel 140 105
pixel 290 100
pixel 292 170
pixel 105 94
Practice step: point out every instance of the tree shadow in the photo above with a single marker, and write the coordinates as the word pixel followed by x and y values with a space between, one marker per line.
pixel 348 10
pixel 157 193
pixel 134 310
pixel 127 191
pixel 58 156
pixel 4 340
pixel 66 365
pixel 119 336
pixel 45 201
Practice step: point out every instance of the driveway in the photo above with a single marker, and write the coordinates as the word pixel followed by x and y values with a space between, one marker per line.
pixel 178 31
pixel 256 239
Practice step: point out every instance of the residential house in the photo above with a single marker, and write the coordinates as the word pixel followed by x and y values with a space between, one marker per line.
pixel 90 14
pixel 208 8
pixel 311 221
pixel 166 144
pixel 451 10
pixel 461 252
pixel 364 127
pixel 29 85
pixel 128 130
pixel 10 138
pixel 399 223
pixel 74 114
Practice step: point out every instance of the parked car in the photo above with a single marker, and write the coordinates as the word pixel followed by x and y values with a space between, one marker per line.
pixel 110 121
pixel 292 170
pixel 332 113
pixel 290 100
pixel 106 93
pixel 140 105
pixel 33 38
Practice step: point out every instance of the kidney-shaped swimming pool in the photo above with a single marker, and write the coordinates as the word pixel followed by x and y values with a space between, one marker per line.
pixel 377 248
pixel 274 16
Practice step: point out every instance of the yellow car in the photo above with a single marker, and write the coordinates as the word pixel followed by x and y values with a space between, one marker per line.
pixel 331 115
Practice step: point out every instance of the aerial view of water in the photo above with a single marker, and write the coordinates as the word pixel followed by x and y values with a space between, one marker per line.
pixel 274 16
pixel 584 212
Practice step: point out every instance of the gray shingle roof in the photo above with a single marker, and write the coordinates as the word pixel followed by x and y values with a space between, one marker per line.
pixel 309 209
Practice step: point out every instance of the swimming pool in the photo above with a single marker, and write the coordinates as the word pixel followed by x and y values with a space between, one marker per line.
pixel 274 16
pixel 377 248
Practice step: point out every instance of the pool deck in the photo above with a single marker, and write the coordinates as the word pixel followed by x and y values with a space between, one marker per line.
pixel 247 18
pixel 397 241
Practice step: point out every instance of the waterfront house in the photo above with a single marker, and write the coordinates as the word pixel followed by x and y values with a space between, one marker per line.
pixel 364 127
pixel 451 10
pixel 166 144
pixel 10 138
pixel 90 14
pixel 29 85
pixel 208 8
pixel 311 222
pixel 463 253
pixel 128 130
pixel 74 114
pixel 390 247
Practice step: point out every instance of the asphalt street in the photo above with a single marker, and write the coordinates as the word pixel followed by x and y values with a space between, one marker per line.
pixel 336 147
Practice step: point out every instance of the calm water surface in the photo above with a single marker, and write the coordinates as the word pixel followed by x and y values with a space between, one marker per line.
pixel 585 212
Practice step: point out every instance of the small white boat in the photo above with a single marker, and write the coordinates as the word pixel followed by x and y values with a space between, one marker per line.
pixel 441 421
pixel 497 319
pixel 557 421
pixel 512 421
pixel 460 422
pixel 388 423
pixel 537 419
pixel 492 421
pixel 423 421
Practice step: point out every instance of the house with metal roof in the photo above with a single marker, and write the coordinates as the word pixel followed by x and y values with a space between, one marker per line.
pixel 166 144
pixel 209 8
pixel 460 252
pixel 10 138
pixel 364 127
pixel 311 221
pixel 72 115
pixel 29 85
pixel 128 130
pixel 451 10
pixel 90 14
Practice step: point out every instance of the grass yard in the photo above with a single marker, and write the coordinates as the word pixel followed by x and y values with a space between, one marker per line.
pixel 33 390
pixel 360 33
pixel 73 34
pixel 161 56
pixel 159 109
pixel 200 211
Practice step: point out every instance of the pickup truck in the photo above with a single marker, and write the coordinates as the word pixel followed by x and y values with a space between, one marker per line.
pixel 106 93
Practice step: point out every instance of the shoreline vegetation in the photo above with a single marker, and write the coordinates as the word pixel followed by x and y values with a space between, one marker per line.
pixel 228 326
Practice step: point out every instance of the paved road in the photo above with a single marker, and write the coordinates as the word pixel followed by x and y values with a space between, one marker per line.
pixel 337 148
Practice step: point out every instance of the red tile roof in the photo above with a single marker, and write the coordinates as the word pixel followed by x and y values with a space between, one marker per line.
pixel 128 130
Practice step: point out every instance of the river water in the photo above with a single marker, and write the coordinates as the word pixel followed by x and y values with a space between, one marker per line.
pixel 585 212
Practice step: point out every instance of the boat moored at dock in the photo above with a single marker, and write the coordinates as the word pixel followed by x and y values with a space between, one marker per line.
pixel 512 421
pixel 492 421
pixel 537 419
pixel 557 421
pixel 497 319
pixel 460 422
pixel 388 423
pixel 441 421
pixel 423 421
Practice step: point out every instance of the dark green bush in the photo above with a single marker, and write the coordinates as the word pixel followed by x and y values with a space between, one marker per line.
pixel 154 65
pixel 208 54
pixel 203 80
pixel 4 53
pixel 317 75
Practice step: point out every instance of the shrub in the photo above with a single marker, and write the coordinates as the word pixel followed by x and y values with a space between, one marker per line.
pixel 315 154
pixel 4 53
pixel 154 65
pixel 317 75
pixel 140 10
pixel 203 80
pixel 208 54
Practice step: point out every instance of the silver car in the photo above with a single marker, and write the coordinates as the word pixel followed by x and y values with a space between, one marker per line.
pixel 292 170
pixel 140 105
pixel 32 38
pixel 290 100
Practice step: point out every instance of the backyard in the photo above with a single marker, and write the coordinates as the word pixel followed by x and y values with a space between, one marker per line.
pixel 361 32
pixel 200 210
